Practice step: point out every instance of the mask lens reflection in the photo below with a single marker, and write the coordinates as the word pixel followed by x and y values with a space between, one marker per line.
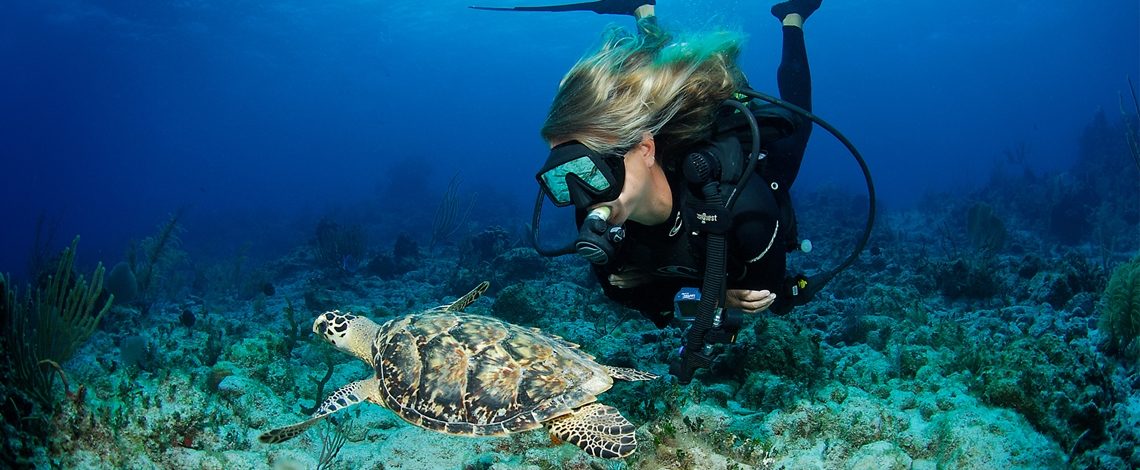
pixel 582 167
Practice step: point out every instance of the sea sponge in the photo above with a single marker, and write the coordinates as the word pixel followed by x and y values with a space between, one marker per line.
pixel 122 283
pixel 1120 311
pixel 985 229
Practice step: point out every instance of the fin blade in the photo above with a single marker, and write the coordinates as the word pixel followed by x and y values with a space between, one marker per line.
pixel 583 6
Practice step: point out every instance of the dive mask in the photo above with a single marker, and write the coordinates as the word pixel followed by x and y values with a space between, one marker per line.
pixel 575 174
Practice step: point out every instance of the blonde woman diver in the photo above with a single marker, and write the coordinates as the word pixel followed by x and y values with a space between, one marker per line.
pixel 621 122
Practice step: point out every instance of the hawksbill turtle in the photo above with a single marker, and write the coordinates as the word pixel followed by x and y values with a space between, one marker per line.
pixel 472 375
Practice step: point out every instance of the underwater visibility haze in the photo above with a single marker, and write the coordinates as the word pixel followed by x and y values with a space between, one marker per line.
pixel 231 171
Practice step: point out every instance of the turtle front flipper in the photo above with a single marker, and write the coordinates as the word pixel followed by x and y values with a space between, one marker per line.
pixel 598 429
pixel 279 435
pixel 462 302
pixel 345 397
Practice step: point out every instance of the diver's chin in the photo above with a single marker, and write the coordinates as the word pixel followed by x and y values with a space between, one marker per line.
pixel 617 216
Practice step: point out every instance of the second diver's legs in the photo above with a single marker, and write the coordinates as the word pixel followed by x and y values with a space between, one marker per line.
pixel 794 81
pixel 794 76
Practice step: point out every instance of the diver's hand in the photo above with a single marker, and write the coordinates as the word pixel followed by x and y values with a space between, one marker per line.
pixel 750 301
pixel 628 279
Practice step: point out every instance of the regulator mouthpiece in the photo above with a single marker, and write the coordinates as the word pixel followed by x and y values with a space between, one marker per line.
pixel 597 239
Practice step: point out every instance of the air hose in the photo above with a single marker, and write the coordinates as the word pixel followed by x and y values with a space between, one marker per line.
pixel 825 277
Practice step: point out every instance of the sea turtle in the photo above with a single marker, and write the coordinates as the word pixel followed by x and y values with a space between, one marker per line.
pixel 473 375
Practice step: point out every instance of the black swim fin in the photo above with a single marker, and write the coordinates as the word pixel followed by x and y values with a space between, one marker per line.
pixel 802 7
pixel 601 7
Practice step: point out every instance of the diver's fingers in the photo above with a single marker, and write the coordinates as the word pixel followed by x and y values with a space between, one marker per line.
pixel 629 279
pixel 743 295
pixel 750 301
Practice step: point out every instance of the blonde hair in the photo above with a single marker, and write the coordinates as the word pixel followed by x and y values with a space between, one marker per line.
pixel 670 88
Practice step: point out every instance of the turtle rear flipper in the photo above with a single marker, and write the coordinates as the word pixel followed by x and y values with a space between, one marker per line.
pixel 598 429
pixel 346 396
pixel 625 373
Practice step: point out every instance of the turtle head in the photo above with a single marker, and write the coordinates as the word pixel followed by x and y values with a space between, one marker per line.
pixel 349 333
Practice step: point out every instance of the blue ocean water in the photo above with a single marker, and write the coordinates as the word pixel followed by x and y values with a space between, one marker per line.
pixel 255 124
pixel 255 116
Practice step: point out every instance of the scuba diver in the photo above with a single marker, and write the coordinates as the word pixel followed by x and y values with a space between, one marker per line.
pixel 679 177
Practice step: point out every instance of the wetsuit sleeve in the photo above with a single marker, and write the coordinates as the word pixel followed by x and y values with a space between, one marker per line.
pixel 653 300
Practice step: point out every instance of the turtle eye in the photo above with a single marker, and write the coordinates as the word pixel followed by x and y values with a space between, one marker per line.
pixel 321 327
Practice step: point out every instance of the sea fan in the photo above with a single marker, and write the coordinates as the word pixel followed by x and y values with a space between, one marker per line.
pixel 1120 311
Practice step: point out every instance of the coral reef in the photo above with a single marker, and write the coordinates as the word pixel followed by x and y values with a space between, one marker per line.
pixel 976 332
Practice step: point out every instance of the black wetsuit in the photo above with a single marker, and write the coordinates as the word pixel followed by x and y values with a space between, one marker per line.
pixel 763 223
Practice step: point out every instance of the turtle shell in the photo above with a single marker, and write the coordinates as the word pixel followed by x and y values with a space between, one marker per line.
pixel 479 376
